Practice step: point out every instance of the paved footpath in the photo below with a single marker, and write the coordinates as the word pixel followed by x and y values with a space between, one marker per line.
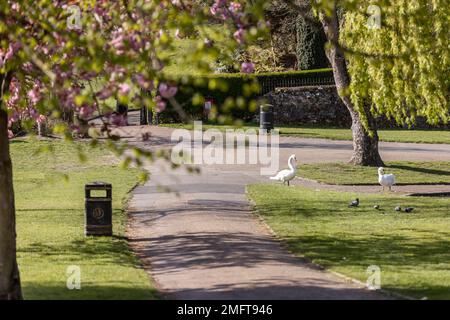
pixel 203 242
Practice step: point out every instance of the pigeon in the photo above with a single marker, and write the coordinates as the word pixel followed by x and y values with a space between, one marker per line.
pixel 354 203
pixel 398 208
pixel 376 207
pixel 409 209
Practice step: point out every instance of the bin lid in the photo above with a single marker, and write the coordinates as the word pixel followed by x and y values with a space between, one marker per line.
pixel 266 107
pixel 98 184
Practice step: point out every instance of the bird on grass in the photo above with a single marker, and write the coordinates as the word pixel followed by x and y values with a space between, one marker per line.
pixel 354 203
pixel 398 208
pixel 376 207
pixel 409 209
pixel 385 180
pixel 287 175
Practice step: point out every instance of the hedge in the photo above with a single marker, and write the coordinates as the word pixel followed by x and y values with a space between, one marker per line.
pixel 236 95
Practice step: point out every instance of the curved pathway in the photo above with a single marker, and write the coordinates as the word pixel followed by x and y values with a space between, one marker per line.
pixel 202 241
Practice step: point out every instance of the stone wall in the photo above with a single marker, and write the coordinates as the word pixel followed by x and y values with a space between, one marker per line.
pixel 321 106
pixel 309 106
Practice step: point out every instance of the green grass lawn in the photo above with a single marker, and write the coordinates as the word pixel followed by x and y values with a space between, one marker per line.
pixel 405 173
pixel 410 136
pixel 50 225
pixel 412 250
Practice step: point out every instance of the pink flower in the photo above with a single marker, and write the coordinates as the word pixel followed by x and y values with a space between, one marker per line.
pixel 41 118
pixel 86 112
pixel 5 56
pixel 9 54
pixel 10 134
pixel 143 82
pixel 235 7
pixel 124 89
pixel 214 9
pixel 208 43
pixel 248 67
pixel 28 67
pixel 167 91
pixel 34 94
pixel 239 35
pixel 118 42
pixel 15 7
pixel 105 93
pixel 14 89
pixel 75 128
pixel 160 104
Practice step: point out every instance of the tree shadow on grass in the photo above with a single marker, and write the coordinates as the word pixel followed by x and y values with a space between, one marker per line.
pixel 392 253
pixel 422 170
pixel 59 291
pixel 101 251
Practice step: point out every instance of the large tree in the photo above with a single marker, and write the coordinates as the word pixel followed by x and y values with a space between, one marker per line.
pixel 364 127
pixel 389 58
pixel 63 57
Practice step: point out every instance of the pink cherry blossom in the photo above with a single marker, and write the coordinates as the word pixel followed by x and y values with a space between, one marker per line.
pixel 235 7
pixel 41 118
pixel 143 82
pixel 105 93
pixel 85 112
pixel 239 35
pixel 35 94
pixel 160 104
pixel 167 91
pixel 248 67
pixel 124 89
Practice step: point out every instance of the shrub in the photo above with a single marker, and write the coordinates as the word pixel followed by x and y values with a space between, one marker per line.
pixel 236 95
pixel 311 41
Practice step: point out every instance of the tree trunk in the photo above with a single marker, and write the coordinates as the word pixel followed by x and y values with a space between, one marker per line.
pixel 365 146
pixel 9 272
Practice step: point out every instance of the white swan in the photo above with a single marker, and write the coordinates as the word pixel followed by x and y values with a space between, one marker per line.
pixel 386 180
pixel 287 175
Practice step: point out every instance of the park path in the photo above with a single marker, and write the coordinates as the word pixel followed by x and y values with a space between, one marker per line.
pixel 202 240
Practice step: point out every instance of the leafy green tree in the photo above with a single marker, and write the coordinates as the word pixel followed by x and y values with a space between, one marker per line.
pixel 397 68
pixel 403 61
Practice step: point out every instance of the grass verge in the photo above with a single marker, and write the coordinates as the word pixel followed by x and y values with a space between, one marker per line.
pixel 50 224
pixel 391 135
pixel 412 250
pixel 405 173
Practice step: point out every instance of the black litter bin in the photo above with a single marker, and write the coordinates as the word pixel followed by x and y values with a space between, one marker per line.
pixel 98 209
pixel 266 117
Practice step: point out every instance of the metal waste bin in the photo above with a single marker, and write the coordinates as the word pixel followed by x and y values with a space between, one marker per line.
pixel 266 117
pixel 98 209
